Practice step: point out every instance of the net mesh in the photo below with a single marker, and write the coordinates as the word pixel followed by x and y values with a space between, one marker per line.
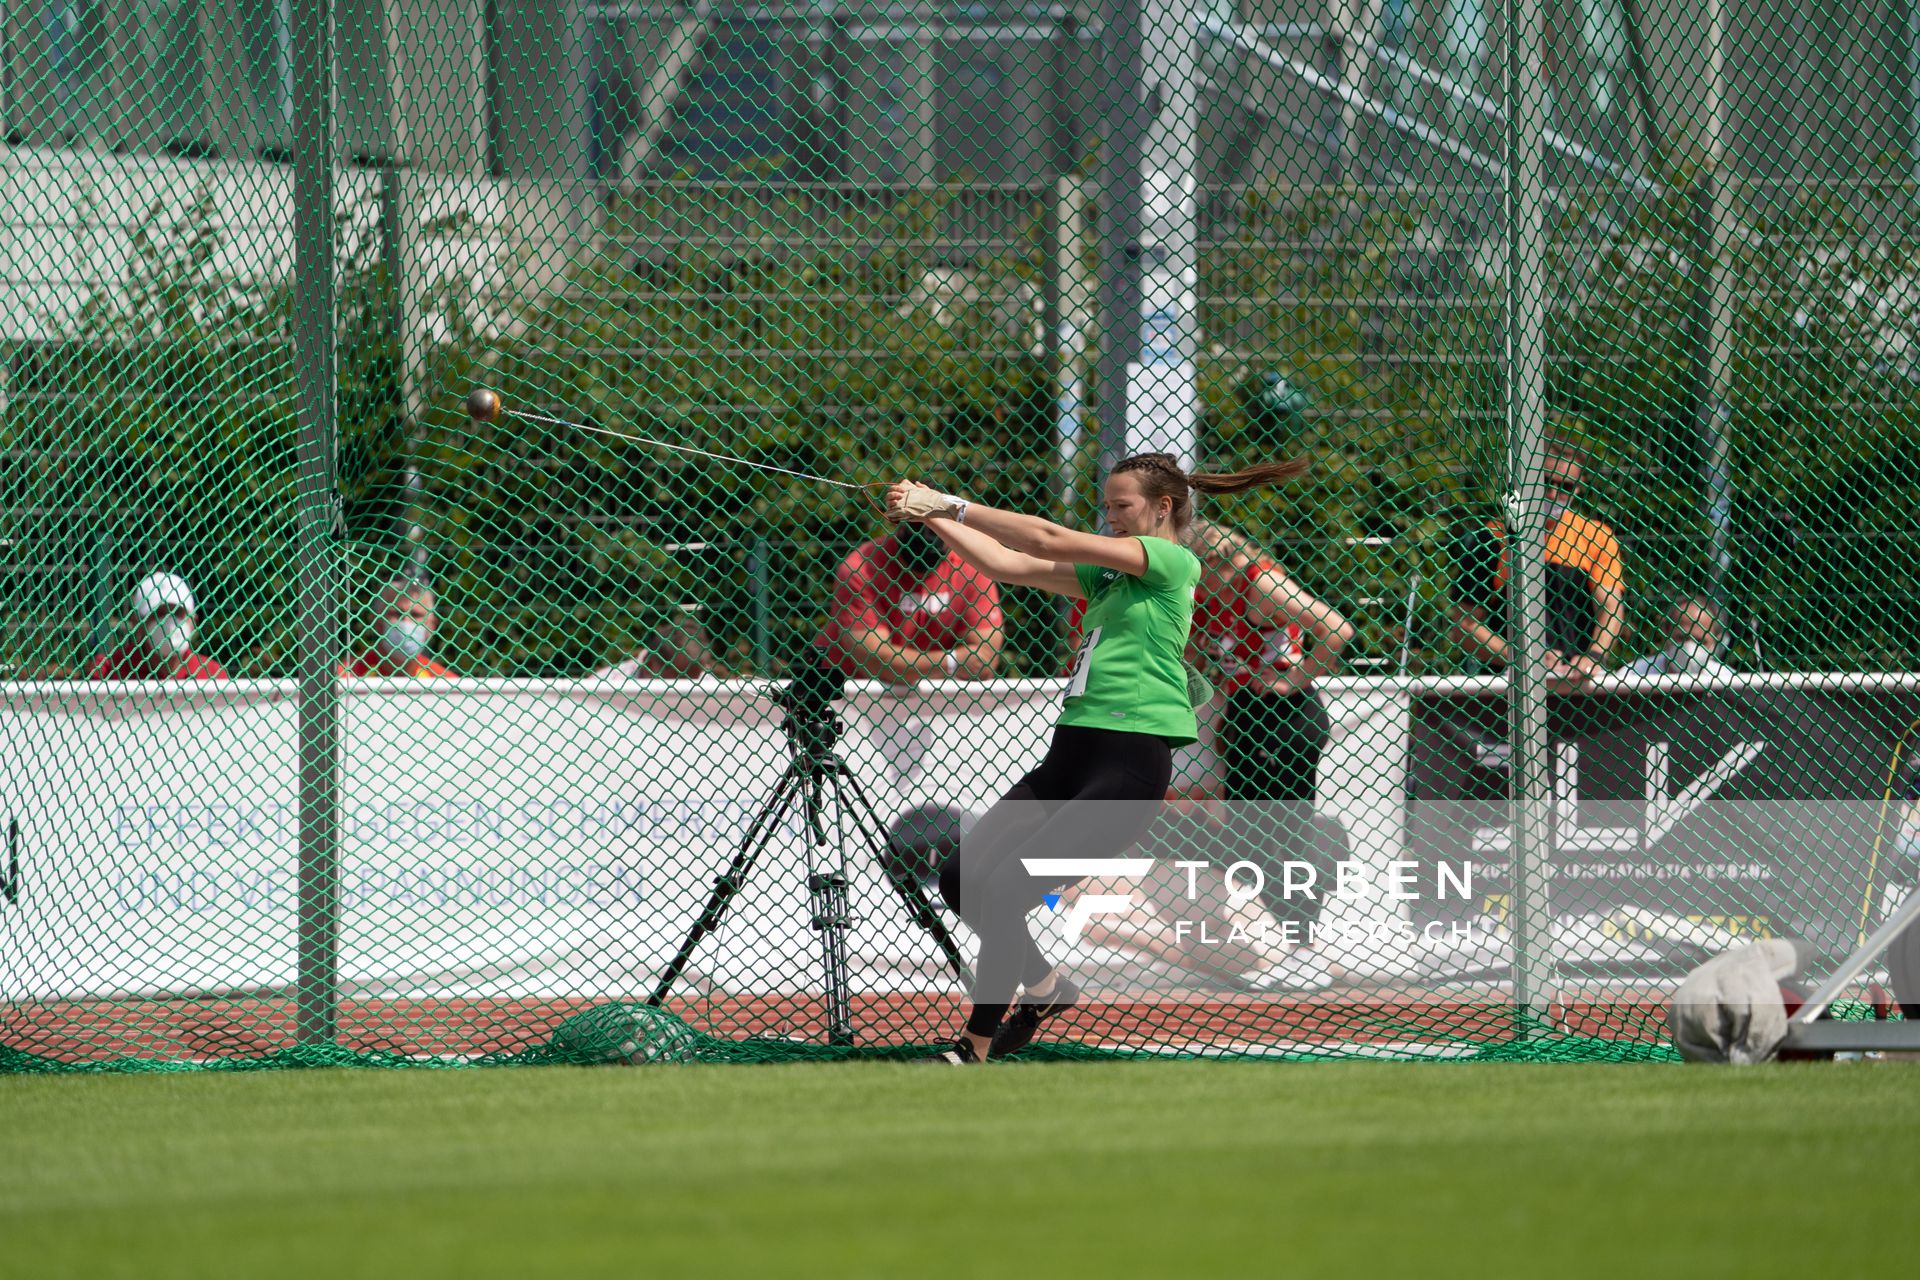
pixel 342 725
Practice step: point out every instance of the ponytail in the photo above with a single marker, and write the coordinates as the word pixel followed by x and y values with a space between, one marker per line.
pixel 1260 475
pixel 1161 476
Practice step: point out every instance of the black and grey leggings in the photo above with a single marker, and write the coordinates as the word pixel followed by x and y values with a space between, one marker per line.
pixel 1270 747
pixel 1091 797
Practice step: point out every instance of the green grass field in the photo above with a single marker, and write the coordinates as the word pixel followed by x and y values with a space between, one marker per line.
pixel 1161 1169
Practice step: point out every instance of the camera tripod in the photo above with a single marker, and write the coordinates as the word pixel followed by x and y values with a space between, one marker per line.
pixel 815 777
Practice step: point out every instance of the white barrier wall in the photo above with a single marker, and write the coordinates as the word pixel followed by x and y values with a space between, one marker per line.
pixel 504 838
pixel 498 837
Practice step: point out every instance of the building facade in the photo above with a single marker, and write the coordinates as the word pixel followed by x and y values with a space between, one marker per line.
pixel 874 91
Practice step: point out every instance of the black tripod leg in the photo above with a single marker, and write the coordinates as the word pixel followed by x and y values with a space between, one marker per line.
pixel 729 882
pixel 827 899
pixel 920 908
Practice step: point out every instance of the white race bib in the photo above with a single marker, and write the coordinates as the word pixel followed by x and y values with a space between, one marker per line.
pixel 1229 656
pixel 932 602
pixel 1082 663
pixel 1282 648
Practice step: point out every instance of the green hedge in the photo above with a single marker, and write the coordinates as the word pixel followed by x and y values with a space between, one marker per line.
pixel 160 433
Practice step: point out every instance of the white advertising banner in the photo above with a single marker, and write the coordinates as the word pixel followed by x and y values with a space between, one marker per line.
pixel 503 838
pixel 550 840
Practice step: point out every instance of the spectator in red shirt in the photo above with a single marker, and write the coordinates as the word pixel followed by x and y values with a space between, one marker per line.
pixel 164 610
pixel 403 627
pixel 906 609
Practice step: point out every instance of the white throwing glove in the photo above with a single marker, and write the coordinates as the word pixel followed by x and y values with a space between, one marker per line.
pixel 927 504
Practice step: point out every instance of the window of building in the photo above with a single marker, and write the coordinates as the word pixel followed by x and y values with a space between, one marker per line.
pixel 272 74
pixel 1603 32
pixel 1465 35
pixel 70 38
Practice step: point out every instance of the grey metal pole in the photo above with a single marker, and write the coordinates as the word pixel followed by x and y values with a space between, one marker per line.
pixel 1651 143
pixel 317 626
pixel 400 224
pixel 394 244
pixel 1123 123
pixel 576 122
pixel 921 167
pixel 398 243
pixel 99 591
pixel 1060 159
pixel 826 40
pixel 762 612
pixel 1354 30
pixel 1169 418
pixel 1712 320
pixel 1076 295
pixel 1334 118
pixel 1524 196
pixel 1913 87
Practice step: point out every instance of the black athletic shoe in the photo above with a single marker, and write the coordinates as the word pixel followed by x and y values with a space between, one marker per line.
pixel 1023 1021
pixel 958 1054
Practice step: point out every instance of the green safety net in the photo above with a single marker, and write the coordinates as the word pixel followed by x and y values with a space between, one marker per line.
pixel 347 719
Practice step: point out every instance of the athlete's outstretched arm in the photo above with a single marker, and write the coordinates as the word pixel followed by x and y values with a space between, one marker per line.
pixel 1040 539
pixel 1002 564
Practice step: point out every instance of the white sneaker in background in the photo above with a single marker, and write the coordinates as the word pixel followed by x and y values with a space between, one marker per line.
pixel 1300 970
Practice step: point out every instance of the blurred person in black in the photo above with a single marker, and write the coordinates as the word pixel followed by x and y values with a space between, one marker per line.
pixel 1269 638
pixel 1693 643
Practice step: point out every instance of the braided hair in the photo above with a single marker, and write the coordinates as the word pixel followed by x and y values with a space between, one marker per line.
pixel 1161 476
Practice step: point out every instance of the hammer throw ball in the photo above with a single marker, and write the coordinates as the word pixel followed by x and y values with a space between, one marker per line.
pixel 483 405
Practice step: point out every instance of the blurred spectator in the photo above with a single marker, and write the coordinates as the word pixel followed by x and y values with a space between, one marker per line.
pixel 165 614
pixel 1906 868
pixel 1693 641
pixel 906 609
pixel 403 628
pixel 1269 638
pixel 1585 591
pixel 1903 956
pixel 679 650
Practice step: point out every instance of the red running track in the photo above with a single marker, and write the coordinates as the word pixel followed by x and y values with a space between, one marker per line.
pixel 199 1029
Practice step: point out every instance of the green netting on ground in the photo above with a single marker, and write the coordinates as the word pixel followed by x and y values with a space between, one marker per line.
pixel 638 1035
pixel 343 723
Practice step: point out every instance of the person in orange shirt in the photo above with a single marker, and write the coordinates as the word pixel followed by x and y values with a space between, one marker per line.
pixel 404 624
pixel 1586 596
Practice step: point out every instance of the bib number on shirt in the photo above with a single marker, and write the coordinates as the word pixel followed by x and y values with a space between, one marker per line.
pixel 1082 663
pixel 1280 649
pixel 1228 654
